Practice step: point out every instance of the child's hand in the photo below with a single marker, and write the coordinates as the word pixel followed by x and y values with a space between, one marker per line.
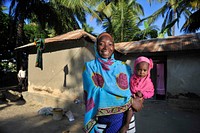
pixel 137 103
pixel 139 94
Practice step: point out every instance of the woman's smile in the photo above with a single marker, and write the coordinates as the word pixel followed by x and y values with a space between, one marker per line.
pixel 105 47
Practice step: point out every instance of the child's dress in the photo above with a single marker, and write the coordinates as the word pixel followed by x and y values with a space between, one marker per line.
pixel 144 85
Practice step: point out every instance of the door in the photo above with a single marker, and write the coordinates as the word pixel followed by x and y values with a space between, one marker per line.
pixel 160 82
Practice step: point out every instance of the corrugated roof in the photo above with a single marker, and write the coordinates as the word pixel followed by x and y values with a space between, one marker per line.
pixel 72 35
pixel 174 43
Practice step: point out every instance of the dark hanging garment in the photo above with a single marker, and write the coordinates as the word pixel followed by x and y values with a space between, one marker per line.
pixel 40 44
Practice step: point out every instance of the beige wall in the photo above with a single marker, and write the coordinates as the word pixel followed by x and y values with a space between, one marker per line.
pixel 52 78
pixel 182 71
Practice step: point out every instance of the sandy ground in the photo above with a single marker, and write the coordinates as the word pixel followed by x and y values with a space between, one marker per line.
pixel 156 117
pixel 19 116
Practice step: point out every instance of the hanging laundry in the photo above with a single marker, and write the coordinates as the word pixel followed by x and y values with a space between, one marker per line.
pixel 40 45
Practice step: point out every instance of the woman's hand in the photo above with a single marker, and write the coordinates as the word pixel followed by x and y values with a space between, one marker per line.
pixel 137 103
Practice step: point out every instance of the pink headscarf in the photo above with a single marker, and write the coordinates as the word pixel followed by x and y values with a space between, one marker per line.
pixel 144 85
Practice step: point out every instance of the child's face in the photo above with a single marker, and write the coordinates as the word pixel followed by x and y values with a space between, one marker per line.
pixel 142 69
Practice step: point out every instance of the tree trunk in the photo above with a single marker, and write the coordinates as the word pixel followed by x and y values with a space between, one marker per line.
pixel 19 41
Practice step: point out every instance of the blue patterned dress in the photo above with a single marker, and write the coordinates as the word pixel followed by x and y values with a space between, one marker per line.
pixel 106 93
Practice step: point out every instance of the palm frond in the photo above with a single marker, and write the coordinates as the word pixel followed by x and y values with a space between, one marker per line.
pixel 193 23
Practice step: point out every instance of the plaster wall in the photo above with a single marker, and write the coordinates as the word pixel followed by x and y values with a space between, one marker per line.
pixel 183 74
pixel 62 71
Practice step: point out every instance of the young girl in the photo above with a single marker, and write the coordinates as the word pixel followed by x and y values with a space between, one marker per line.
pixel 140 84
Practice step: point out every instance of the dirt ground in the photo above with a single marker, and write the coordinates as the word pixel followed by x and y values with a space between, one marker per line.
pixel 20 116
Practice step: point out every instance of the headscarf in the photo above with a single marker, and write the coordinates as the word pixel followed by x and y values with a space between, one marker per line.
pixel 105 63
pixel 106 91
pixel 144 85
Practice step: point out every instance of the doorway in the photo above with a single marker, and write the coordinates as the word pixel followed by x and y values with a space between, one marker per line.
pixel 160 82
pixel 158 76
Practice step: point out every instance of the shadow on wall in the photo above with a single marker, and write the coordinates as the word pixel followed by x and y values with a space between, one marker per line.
pixel 66 71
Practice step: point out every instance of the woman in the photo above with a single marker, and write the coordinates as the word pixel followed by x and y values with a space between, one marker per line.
pixel 106 88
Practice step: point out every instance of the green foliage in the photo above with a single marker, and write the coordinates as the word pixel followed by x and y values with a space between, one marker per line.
pixel 120 18
pixel 192 24
pixel 148 32
pixel 5 48
pixel 87 28
pixel 8 66
pixel 4 22
pixel 171 11
pixel 32 31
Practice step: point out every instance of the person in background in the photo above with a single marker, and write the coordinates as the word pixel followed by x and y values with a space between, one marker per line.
pixel 140 84
pixel 106 89
pixel 21 77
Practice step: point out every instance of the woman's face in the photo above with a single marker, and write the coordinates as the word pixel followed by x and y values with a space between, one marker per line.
pixel 105 47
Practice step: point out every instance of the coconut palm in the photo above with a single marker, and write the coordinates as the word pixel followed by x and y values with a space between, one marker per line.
pixel 148 32
pixel 79 9
pixel 192 24
pixel 61 15
pixel 4 20
pixel 171 11
pixel 21 10
pixel 120 18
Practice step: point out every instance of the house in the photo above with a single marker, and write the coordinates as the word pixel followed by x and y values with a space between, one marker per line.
pixel 176 63
pixel 63 61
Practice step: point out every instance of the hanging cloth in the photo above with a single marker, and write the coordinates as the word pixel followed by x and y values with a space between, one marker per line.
pixel 40 45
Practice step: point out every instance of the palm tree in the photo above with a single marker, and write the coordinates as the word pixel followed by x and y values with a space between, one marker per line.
pixel 148 32
pixel 60 15
pixel 192 24
pixel 171 11
pixel 79 9
pixel 120 18
pixel 21 10
pixel 4 20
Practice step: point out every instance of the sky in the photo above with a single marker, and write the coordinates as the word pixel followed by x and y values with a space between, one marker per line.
pixel 148 10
